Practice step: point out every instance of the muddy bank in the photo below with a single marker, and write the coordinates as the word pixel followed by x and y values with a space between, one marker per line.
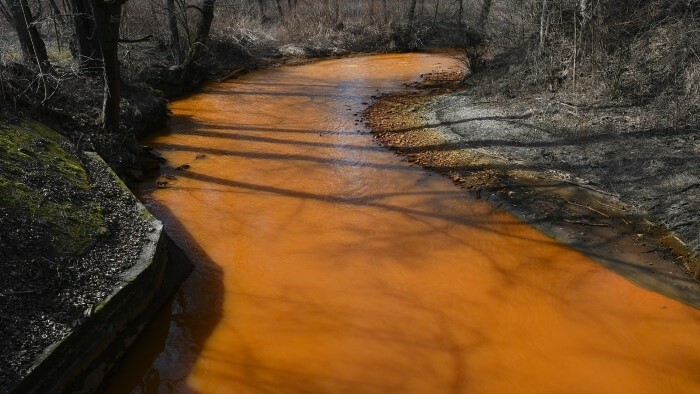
pixel 594 192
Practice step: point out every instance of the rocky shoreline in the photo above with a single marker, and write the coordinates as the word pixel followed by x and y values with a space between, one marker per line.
pixel 544 176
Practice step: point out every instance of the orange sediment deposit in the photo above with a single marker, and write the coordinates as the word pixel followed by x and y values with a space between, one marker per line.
pixel 326 263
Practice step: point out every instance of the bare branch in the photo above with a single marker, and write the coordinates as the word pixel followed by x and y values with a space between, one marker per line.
pixel 130 41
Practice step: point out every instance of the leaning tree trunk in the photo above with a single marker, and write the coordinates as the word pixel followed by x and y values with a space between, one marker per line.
pixel 32 44
pixel 6 14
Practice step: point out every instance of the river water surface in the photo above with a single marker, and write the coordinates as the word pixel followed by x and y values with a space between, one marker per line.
pixel 325 263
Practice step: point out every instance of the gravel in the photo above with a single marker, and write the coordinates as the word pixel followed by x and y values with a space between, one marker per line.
pixel 43 297
pixel 619 150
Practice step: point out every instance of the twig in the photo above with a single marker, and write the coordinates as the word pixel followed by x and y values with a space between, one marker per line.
pixel 590 188
pixel 10 293
pixel 566 104
pixel 587 207
pixel 231 74
pixel 586 223
pixel 685 189
pixel 134 40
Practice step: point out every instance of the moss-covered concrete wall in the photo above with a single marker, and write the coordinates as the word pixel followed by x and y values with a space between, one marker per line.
pixel 81 360
pixel 47 190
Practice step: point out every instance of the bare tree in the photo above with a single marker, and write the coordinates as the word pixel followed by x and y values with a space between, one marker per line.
pixel 585 12
pixel 412 11
pixel 460 14
pixel 543 23
pixel 200 37
pixel 484 14
pixel 261 6
pixel 6 13
pixel 89 53
pixel 174 31
pixel 30 41
pixel 107 18
pixel 279 8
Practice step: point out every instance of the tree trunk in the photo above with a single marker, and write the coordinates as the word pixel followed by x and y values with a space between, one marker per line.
pixel 55 10
pixel 6 14
pixel 107 20
pixel 261 6
pixel 30 41
pixel 584 9
pixel 484 14
pixel 543 24
pixel 412 11
pixel 279 8
pixel 174 33
pixel 200 37
pixel 437 8
pixel 461 12
pixel 89 54
pixel 57 18
pixel 385 10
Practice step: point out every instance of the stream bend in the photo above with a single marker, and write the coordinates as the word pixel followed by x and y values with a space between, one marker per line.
pixel 325 263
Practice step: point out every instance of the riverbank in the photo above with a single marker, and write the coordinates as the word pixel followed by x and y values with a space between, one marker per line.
pixel 69 232
pixel 624 197
pixel 66 253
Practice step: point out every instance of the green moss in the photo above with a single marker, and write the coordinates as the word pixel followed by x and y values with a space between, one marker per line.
pixel 44 185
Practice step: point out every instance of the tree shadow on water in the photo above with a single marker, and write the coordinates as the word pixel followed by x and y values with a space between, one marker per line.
pixel 165 353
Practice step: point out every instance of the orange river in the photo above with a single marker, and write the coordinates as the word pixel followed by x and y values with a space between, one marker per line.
pixel 327 264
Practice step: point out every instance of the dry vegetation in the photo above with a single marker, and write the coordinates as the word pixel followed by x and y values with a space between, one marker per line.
pixel 637 52
pixel 590 67
pixel 586 65
pixel 630 52
pixel 157 42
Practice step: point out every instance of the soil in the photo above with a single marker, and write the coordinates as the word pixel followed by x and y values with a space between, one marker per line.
pixel 626 196
pixel 44 294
